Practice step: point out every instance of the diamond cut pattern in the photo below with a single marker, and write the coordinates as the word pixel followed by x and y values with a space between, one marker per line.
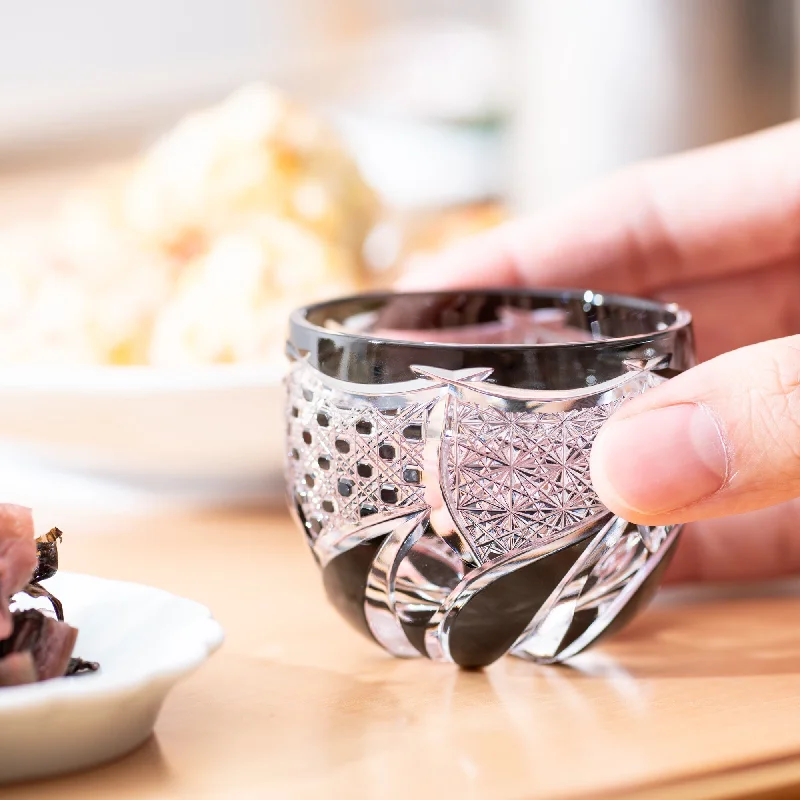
pixel 367 437
pixel 518 479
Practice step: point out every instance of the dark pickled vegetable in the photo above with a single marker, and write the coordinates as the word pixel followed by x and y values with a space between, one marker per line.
pixel 48 641
pixel 33 646
pixel 47 555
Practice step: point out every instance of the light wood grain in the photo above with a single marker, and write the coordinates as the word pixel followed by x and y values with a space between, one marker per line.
pixel 699 696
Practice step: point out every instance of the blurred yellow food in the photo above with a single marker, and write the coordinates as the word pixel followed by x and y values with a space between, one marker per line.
pixel 57 309
pixel 231 303
pixel 255 153
pixel 197 252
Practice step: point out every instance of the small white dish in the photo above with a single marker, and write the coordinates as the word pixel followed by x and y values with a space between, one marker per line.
pixel 220 423
pixel 145 640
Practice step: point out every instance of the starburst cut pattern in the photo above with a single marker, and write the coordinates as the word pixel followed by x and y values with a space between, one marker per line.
pixel 519 479
pixel 349 459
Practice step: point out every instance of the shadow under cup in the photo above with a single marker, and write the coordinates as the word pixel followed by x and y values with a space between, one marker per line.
pixel 438 463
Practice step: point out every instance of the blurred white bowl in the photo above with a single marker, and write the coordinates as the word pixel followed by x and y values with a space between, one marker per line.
pixel 217 424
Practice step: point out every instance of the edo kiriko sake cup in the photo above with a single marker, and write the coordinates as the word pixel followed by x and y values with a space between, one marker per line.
pixel 437 461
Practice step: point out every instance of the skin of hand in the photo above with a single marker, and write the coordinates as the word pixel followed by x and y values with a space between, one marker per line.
pixel 716 230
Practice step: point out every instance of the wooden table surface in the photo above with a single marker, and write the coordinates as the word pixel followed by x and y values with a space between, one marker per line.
pixel 698 698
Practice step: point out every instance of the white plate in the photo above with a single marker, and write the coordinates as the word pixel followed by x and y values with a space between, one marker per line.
pixel 145 640
pixel 217 423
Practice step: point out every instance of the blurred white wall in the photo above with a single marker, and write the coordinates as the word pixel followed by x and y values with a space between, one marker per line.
pixel 73 68
pixel 82 64
pixel 609 82
pixel 595 83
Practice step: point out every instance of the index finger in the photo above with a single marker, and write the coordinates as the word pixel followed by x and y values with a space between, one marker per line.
pixel 721 209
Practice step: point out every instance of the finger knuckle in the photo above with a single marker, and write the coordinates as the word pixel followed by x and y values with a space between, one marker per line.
pixel 776 401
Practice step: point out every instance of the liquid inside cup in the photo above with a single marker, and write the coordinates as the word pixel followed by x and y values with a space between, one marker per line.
pixel 500 319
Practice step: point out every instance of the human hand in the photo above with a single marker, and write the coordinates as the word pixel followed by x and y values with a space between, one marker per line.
pixel 718 231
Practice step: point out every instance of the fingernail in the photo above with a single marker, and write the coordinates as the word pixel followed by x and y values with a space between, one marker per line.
pixel 659 461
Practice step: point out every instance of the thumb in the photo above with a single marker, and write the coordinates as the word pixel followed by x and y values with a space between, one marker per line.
pixel 722 438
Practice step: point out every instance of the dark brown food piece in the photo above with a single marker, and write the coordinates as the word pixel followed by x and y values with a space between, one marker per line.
pixel 33 647
pixel 53 650
pixel 37 590
pixel 78 665
pixel 47 555
pixel 47 566
pixel 49 642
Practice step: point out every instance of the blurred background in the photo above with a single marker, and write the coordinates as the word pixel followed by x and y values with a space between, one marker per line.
pixel 175 176
pixel 583 86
